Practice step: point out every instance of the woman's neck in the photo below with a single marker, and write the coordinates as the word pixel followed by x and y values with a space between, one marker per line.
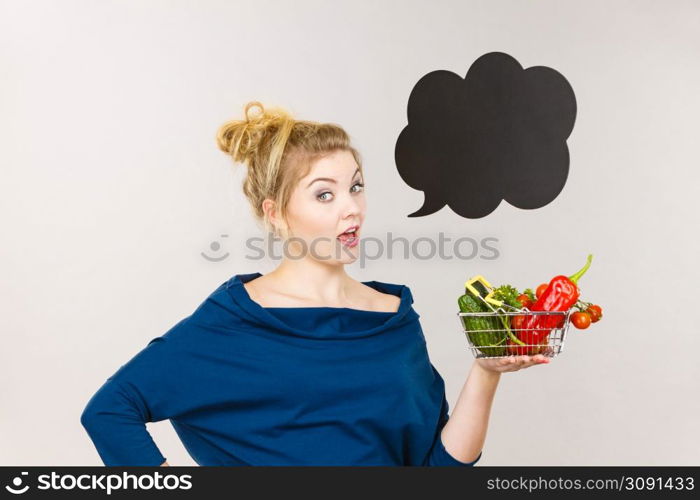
pixel 314 281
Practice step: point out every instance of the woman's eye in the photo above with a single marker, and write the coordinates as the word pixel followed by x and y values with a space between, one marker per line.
pixel 319 197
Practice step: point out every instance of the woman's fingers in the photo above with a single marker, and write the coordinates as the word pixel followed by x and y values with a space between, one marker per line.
pixel 515 363
pixel 526 361
pixel 511 363
pixel 538 359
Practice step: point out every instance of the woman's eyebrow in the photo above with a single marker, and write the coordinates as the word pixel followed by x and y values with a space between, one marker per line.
pixel 329 179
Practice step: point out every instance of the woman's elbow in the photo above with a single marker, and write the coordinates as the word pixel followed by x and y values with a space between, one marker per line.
pixel 88 418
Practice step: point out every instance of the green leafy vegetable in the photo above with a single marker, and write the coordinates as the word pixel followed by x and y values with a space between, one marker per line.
pixel 509 295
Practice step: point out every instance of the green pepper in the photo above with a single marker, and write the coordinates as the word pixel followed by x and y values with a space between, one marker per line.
pixel 491 343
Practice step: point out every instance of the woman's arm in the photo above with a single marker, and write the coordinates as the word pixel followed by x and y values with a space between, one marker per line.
pixel 165 464
pixel 464 433
pixel 145 389
pixel 115 419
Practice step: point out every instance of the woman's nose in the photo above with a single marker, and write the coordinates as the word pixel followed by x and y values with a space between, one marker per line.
pixel 352 206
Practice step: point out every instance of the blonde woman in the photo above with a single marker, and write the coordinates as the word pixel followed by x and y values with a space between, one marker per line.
pixel 303 365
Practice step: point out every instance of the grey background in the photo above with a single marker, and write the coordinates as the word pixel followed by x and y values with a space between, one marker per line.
pixel 112 186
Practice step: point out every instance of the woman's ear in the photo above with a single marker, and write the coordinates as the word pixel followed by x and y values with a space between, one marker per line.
pixel 270 211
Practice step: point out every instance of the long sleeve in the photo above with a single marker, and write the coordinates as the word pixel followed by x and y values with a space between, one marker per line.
pixel 438 455
pixel 141 391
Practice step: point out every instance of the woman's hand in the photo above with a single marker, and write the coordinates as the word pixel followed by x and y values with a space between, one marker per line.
pixel 511 363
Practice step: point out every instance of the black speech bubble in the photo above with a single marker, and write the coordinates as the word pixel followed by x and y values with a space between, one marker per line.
pixel 497 134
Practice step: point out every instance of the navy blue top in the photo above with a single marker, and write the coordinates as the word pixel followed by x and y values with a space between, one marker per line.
pixel 242 384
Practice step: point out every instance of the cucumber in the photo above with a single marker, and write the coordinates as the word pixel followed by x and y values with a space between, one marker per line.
pixel 490 343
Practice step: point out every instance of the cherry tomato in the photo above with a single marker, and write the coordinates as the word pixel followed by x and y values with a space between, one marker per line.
pixel 581 320
pixel 595 311
pixel 540 289
pixel 516 323
pixel 524 300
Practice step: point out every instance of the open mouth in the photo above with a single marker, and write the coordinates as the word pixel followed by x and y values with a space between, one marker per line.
pixel 349 237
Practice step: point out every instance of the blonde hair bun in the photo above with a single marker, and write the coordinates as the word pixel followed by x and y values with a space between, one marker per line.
pixel 278 151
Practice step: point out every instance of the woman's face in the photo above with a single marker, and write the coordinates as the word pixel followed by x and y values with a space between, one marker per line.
pixel 325 203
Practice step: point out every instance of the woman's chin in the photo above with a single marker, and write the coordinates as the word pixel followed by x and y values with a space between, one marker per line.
pixel 346 253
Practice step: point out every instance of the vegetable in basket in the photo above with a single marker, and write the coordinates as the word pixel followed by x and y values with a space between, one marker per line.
pixel 581 320
pixel 560 295
pixel 595 311
pixel 530 295
pixel 491 343
pixel 508 294
pixel 587 313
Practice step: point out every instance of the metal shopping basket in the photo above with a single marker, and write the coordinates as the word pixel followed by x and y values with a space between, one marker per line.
pixel 504 340
pixel 506 331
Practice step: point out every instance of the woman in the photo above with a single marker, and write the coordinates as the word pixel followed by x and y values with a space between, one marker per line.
pixel 303 365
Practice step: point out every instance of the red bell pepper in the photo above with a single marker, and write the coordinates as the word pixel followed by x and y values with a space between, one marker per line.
pixel 561 294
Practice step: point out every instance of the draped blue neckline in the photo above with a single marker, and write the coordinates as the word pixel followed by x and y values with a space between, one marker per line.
pixel 324 322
